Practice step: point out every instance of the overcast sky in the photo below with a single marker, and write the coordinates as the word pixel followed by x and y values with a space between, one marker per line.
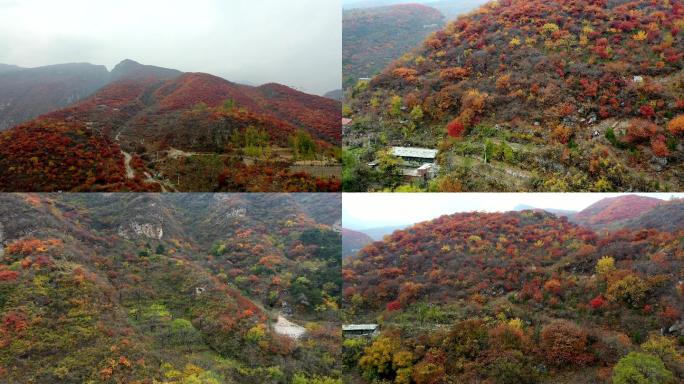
pixel 373 210
pixel 348 4
pixel 294 42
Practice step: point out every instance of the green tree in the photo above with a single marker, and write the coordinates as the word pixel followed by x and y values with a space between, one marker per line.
pixel 417 113
pixel 303 146
pixel 408 129
pixel 255 140
pixel 389 167
pixel 183 332
pixel 352 349
pixel 228 105
pixel 641 368
pixel 395 106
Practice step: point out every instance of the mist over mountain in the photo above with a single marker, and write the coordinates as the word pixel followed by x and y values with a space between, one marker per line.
pixel 129 69
pixel 26 93
pixel 230 39
pixel 373 37
pixel 144 129
pixel 335 95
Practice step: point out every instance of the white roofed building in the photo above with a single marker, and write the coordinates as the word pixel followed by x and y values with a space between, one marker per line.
pixel 418 162
pixel 358 330
pixel 415 153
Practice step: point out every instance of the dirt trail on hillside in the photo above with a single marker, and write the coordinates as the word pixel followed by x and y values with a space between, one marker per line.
pixel 288 328
pixel 130 173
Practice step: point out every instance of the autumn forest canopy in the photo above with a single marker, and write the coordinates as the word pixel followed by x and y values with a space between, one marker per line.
pixel 173 289
pixel 522 297
pixel 531 96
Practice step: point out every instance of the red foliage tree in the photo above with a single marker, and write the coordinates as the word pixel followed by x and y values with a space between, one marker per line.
pixel 455 128
pixel 564 343
pixel 659 147
pixel 597 302
pixel 6 275
pixel 393 306
pixel 676 125
pixel 647 111
pixel 640 130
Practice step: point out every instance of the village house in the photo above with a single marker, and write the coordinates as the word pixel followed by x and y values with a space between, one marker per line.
pixel 360 330
pixel 418 162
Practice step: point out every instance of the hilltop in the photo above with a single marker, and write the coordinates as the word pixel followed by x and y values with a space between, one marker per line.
pixel 613 211
pixel 517 297
pixel 166 288
pixel 531 96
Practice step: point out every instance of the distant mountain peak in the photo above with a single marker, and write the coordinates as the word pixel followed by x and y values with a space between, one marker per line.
pixel 336 95
pixel 8 68
pixel 612 210
pixel 524 207
pixel 131 69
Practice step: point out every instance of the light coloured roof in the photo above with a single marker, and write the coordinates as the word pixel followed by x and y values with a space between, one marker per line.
pixel 423 153
pixel 360 327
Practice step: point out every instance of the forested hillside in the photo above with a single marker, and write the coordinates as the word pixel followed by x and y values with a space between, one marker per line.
pixel 614 211
pixel 176 289
pixel 353 241
pixel 532 95
pixel 518 297
pixel 26 93
pixel 374 37
pixel 155 130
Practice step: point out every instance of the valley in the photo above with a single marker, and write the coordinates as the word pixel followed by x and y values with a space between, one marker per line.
pixel 173 288
pixel 156 129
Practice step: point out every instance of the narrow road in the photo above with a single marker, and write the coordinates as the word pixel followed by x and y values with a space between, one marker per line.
pixel 130 173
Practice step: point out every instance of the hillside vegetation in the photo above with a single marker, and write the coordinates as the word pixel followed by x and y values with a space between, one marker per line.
pixel 614 211
pixel 175 289
pixel 518 297
pixel 374 37
pixel 532 96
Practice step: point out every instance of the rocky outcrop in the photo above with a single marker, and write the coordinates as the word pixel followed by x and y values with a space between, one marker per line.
pixel 135 229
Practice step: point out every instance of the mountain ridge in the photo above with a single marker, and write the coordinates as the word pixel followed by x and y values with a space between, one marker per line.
pixel 487 297
pixel 152 110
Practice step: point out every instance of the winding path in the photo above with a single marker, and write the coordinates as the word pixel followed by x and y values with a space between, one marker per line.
pixel 130 173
